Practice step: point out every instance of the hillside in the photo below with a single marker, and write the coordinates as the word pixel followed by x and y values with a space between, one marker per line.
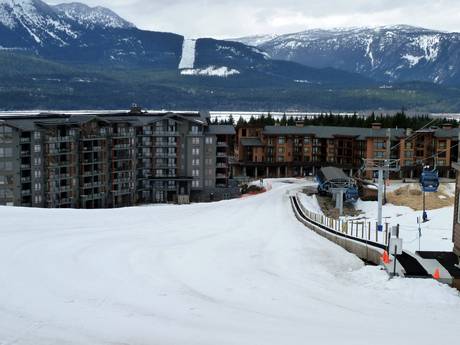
pixel 388 54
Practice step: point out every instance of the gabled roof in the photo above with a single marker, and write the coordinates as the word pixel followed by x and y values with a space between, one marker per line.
pixel 221 130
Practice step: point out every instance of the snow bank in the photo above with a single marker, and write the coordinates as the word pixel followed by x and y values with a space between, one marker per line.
pixel 211 71
pixel 310 203
pixel 436 234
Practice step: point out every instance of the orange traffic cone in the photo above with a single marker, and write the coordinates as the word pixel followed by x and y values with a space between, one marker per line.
pixel 386 257
pixel 437 274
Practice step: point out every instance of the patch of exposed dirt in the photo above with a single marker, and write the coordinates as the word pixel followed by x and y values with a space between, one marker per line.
pixel 412 196
pixel 328 207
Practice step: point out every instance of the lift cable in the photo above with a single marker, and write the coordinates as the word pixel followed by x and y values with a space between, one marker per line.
pixel 415 134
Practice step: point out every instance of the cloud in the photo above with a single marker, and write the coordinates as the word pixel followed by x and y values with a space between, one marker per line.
pixel 221 19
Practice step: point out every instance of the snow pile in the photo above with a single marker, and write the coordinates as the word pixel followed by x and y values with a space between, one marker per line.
pixel 310 203
pixel 188 54
pixel 436 234
pixel 211 71
pixel 241 272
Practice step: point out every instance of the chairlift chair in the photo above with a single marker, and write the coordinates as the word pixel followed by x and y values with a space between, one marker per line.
pixel 429 181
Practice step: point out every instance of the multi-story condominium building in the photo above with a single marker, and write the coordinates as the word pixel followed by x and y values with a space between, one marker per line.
pixel 286 151
pixel 113 159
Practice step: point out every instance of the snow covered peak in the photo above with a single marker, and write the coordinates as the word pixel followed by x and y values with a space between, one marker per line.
pixel 92 16
pixel 35 18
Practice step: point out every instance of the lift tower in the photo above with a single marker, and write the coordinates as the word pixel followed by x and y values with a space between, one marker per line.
pixel 381 166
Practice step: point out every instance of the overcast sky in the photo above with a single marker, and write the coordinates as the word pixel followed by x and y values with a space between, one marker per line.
pixel 225 18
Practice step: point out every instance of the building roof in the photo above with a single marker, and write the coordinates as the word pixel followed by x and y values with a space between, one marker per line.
pixel 333 173
pixel 251 142
pixel 330 132
pixel 221 129
pixel 29 121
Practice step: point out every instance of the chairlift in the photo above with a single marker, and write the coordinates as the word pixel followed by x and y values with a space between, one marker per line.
pixel 429 180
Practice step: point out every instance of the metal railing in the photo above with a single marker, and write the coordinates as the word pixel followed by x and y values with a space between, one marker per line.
pixel 362 230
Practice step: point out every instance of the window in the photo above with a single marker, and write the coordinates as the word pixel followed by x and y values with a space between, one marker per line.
pixel 37 173
pixel 195 162
pixel 209 141
pixel 37 161
pixel 196 173
pixel 7 166
pixel 379 145
pixel 196 151
pixel 379 155
pixel 195 141
pixel 196 184
pixel 208 161
pixel 6 135
pixel 38 187
pixel 195 129
pixel 280 159
pixel 37 135
pixel 6 152
pixel 281 150
pixel 37 148
pixel 281 140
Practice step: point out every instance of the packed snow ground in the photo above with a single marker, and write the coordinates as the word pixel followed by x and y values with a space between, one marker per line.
pixel 236 272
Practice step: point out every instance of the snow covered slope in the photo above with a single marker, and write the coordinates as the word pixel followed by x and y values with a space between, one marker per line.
pixel 146 275
pixel 389 53
pixel 188 54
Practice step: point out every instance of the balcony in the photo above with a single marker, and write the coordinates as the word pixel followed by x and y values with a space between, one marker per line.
pixel 222 154
pixel 26 179
pixel 25 140
pixel 222 165
pixel 60 177
pixel 164 144
pixel 92 173
pixel 25 153
pixel 25 166
pixel 122 147
pixel 165 133
pixel 50 140
pixel 26 192
pixel 121 192
pixel 222 144
pixel 221 176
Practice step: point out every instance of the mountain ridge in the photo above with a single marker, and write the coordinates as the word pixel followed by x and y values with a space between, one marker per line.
pixel 397 53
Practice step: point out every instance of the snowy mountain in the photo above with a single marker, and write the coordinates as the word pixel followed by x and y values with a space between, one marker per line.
pixel 91 17
pixel 78 34
pixel 388 54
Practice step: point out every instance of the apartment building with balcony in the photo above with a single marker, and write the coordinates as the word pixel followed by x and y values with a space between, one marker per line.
pixel 108 159
pixel 290 151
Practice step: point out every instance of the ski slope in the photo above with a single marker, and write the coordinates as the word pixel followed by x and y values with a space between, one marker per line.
pixel 236 272
pixel 188 54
